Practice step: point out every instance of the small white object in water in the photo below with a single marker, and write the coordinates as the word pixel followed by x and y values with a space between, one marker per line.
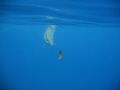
pixel 49 34
pixel 49 17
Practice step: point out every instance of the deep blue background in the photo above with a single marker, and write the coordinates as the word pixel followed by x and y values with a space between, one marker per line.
pixel 90 46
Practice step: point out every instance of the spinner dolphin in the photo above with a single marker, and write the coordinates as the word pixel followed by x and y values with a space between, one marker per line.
pixel 49 35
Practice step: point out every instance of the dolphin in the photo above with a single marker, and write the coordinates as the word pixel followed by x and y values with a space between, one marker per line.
pixel 49 34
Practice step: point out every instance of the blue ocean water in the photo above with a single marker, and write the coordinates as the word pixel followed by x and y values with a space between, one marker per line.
pixel 88 36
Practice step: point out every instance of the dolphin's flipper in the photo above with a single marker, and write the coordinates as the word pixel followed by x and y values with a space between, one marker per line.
pixel 44 45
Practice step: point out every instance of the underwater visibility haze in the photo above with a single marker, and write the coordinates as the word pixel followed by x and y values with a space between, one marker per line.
pixel 59 45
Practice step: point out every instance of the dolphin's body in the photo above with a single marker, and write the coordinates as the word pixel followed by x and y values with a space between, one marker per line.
pixel 49 34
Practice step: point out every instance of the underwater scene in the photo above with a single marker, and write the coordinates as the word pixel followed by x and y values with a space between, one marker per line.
pixel 59 44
